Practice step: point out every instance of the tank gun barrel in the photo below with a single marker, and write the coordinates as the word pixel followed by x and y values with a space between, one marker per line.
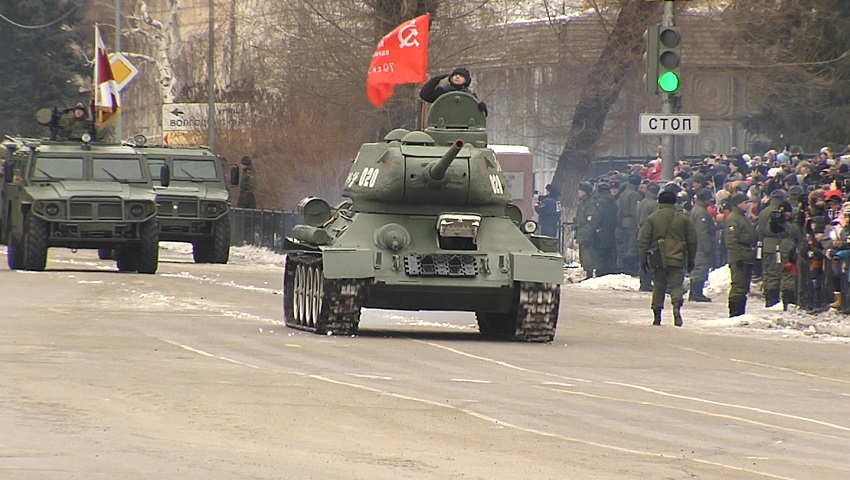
pixel 437 170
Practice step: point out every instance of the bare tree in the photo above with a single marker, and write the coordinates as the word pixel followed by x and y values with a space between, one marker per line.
pixel 600 91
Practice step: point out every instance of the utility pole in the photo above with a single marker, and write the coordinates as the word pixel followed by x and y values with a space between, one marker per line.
pixel 211 80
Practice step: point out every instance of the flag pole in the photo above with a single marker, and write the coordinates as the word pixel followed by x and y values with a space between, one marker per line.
pixel 119 134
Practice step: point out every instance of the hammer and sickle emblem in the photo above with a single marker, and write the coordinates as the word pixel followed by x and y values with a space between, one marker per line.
pixel 407 36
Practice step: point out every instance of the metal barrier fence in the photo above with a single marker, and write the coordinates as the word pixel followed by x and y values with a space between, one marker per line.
pixel 261 228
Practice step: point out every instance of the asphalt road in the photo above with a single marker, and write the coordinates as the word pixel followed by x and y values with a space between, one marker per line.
pixel 189 374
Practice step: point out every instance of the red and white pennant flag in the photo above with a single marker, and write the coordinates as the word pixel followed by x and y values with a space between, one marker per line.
pixel 106 100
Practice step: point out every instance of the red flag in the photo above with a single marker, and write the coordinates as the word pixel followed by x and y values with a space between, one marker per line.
pixel 401 57
pixel 106 99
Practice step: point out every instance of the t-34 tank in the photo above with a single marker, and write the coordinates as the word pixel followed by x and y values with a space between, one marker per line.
pixel 427 224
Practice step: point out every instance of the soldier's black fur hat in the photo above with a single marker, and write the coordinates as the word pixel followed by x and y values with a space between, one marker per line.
pixel 463 71
pixel 667 197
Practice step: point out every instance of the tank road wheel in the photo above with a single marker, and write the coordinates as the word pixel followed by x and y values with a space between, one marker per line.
pixel 316 304
pixel 148 250
pixel 36 231
pixel 533 317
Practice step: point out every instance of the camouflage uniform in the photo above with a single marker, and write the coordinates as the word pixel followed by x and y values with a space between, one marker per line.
pixel 669 224
pixel 605 253
pixel 740 237
pixel 627 229
pixel 706 249
pixel 246 189
pixel 587 223
pixel 770 241
pixel 72 127
pixel 645 208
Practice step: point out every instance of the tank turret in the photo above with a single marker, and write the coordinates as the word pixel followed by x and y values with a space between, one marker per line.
pixel 437 170
pixel 428 225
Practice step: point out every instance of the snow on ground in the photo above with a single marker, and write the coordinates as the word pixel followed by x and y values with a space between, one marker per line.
pixel 830 325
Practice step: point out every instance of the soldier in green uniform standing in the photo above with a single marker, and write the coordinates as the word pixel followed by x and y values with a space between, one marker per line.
pixel 770 241
pixel 246 185
pixel 645 208
pixel 587 222
pixel 680 240
pixel 706 245
pixel 627 228
pixel 740 237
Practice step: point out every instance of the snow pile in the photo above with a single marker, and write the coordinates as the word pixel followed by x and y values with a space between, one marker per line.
pixel 794 322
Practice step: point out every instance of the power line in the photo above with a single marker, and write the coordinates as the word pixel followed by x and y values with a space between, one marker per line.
pixel 35 27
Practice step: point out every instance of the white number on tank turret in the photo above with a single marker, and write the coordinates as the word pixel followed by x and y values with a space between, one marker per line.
pixel 368 177
pixel 498 189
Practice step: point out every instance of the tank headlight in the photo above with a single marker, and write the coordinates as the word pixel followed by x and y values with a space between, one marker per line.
pixel 86 137
pixel 212 208
pixel 52 209
pixel 529 226
pixel 137 210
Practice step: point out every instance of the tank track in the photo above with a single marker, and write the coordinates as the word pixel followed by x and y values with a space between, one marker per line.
pixel 341 302
pixel 534 317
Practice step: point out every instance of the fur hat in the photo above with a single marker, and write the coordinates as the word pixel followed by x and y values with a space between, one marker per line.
pixel 667 197
pixel 791 179
pixel 634 179
pixel 795 192
pixel 653 188
pixel 739 198
pixel 778 194
pixel 603 187
pixel 585 187
pixel 704 194
pixel 462 71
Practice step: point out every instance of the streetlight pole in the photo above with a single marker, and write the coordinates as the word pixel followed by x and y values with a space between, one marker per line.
pixel 211 80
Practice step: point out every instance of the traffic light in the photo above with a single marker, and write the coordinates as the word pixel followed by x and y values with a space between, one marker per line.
pixel 650 59
pixel 669 58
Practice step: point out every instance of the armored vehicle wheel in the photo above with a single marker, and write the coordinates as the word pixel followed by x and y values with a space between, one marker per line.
pixel 14 255
pixel 148 251
pixel 221 241
pixel 316 304
pixel 35 243
pixel 533 317
pixel 106 253
pixel 201 251
pixel 127 259
pixel 215 249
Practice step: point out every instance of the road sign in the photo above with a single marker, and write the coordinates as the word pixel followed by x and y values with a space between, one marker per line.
pixel 187 117
pixel 659 124
pixel 122 70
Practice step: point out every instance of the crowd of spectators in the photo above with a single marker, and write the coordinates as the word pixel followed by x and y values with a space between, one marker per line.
pixel 800 210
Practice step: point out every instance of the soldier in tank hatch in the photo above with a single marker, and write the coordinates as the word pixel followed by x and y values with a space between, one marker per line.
pixel 456 81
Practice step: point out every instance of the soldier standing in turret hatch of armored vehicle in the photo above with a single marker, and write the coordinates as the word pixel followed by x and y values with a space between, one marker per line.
pixel 457 81
pixel 75 122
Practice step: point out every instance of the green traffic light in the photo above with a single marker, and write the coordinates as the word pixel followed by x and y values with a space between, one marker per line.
pixel 668 82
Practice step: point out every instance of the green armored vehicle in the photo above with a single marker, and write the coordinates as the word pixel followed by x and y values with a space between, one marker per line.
pixel 194 206
pixel 80 195
pixel 427 225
